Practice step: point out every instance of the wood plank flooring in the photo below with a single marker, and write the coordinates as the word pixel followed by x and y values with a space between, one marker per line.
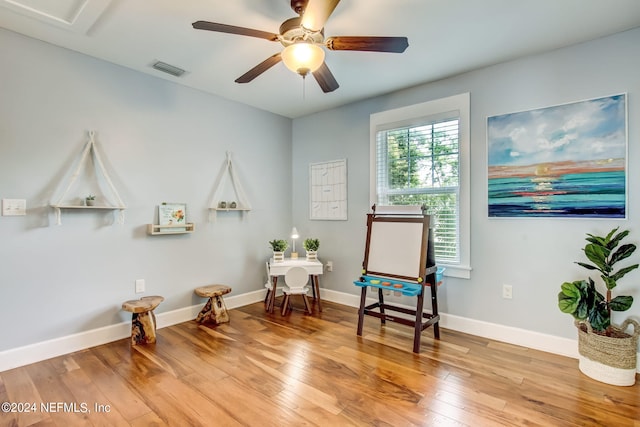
pixel 267 370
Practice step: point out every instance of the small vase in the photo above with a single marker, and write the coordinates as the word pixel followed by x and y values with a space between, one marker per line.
pixel 90 202
pixel 312 255
pixel 278 256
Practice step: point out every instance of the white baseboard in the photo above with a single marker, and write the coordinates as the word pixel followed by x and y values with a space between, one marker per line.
pixel 507 334
pixel 36 352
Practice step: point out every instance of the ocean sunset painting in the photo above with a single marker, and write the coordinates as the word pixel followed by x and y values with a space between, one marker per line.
pixel 562 161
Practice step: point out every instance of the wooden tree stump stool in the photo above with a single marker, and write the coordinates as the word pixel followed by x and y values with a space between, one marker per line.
pixel 143 320
pixel 214 310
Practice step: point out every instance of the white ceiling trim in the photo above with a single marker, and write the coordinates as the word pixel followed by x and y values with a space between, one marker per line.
pixel 72 15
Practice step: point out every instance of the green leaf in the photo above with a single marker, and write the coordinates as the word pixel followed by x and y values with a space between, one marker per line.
pixel 620 273
pixel 613 242
pixel 608 282
pixel 587 266
pixel 591 290
pixel 623 252
pixel 598 255
pixel 599 318
pixel 597 240
pixel 621 303
pixel 569 297
pixel 571 289
pixel 567 304
pixel 582 310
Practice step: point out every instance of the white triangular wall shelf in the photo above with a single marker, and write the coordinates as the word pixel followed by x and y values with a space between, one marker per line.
pixel 227 170
pixel 89 149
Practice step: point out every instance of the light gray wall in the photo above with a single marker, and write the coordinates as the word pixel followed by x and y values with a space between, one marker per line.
pixel 163 142
pixel 160 142
pixel 533 255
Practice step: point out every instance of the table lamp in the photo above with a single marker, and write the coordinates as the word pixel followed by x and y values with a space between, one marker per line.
pixel 294 236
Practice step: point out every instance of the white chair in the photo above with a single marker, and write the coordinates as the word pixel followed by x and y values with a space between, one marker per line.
pixel 269 285
pixel 295 279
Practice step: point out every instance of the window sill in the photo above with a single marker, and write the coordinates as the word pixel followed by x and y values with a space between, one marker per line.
pixel 457 271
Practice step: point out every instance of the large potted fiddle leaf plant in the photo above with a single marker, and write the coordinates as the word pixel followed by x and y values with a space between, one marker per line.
pixel 607 352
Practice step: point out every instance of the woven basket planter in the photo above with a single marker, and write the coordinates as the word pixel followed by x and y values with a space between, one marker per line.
pixel 611 360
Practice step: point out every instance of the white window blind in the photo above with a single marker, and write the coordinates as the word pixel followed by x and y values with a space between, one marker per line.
pixel 420 155
pixel 418 164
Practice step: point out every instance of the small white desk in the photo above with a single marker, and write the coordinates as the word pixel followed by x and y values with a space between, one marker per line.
pixel 314 268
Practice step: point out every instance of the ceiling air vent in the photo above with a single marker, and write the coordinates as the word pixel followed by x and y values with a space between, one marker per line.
pixel 168 68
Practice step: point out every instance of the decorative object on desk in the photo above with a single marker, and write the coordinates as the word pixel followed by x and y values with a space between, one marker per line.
pixel 233 205
pixel 294 236
pixel 607 352
pixel 90 200
pixel 222 205
pixel 174 214
pixel 278 246
pixel 311 246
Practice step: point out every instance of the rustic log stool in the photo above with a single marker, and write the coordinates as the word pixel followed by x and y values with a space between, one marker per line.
pixel 143 320
pixel 214 310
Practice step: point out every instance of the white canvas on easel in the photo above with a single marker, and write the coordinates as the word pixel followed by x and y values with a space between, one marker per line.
pixel 395 248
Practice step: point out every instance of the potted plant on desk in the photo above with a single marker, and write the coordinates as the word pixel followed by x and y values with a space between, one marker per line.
pixel 278 246
pixel 90 200
pixel 607 352
pixel 311 247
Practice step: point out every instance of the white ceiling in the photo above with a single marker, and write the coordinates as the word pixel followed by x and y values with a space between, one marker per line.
pixel 446 37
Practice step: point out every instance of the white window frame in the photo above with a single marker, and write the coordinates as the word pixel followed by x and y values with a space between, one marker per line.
pixel 414 114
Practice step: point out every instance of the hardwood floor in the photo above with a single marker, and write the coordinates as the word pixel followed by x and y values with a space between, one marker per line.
pixel 267 370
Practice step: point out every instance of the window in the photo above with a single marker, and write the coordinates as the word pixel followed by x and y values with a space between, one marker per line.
pixel 419 156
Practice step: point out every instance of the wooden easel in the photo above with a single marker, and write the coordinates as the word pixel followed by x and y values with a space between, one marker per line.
pixel 396 259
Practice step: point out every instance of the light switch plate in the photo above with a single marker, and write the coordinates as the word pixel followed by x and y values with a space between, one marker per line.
pixel 139 286
pixel 14 207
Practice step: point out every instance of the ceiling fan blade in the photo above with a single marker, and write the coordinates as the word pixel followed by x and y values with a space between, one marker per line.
pixel 231 29
pixel 317 12
pixel 325 79
pixel 371 44
pixel 259 69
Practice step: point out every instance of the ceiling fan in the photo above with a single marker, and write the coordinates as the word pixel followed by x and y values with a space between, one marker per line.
pixel 303 38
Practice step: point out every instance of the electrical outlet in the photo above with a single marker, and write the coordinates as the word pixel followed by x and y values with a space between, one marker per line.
pixel 507 292
pixel 139 286
pixel 329 265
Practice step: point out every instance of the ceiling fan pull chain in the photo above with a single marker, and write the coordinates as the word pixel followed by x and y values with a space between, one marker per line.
pixel 304 86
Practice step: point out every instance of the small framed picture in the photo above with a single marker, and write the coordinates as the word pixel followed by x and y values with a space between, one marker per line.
pixel 173 214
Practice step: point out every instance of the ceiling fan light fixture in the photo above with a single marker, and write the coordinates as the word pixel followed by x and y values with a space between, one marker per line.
pixel 303 57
